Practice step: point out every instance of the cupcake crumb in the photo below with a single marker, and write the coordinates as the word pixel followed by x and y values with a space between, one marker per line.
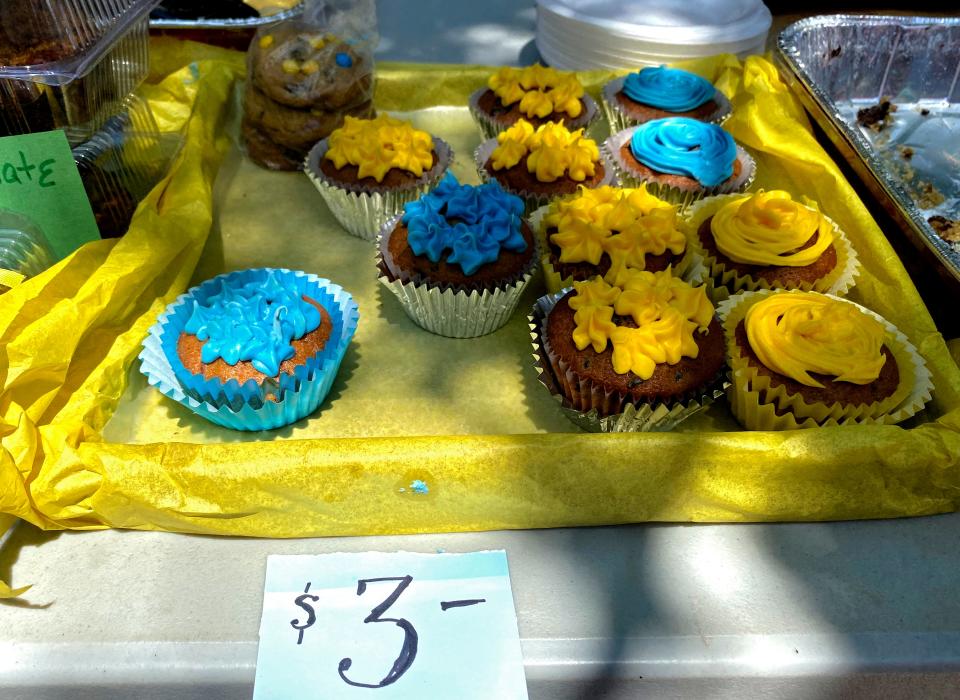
pixel 947 229
pixel 877 117
pixel 930 196
pixel 906 152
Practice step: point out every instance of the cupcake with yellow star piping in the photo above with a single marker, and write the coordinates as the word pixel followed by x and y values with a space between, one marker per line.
pixel 539 164
pixel 606 231
pixel 768 240
pixel 641 355
pixel 534 93
pixel 804 359
pixel 369 168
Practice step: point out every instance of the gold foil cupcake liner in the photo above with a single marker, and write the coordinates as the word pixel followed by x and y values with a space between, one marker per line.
pixel 593 409
pixel 534 200
pixel 760 406
pixel 489 128
pixel 676 195
pixel 689 268
pixel 619 120
pixel 451 312
pixel 362 209
pixel 722 282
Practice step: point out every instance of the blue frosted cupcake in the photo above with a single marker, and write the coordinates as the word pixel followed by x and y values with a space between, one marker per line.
pixel 459 258
pixel 680 160
pixel 252 349
pixel 661 92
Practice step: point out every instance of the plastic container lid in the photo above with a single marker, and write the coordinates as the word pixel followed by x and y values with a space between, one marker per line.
pixel 618 34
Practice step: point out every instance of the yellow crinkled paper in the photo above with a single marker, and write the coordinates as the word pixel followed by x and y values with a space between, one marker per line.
pixel 59 389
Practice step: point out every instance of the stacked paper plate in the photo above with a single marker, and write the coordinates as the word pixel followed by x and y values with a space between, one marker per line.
pixel 614 34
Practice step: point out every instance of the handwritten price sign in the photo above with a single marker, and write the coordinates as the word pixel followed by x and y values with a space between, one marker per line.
pixel 389 626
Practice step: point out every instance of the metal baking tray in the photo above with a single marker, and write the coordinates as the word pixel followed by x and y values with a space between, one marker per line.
pixel 841 64
pixel 211 23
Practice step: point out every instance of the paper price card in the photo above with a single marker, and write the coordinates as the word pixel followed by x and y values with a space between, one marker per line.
pixel 389 626
pixel 39 179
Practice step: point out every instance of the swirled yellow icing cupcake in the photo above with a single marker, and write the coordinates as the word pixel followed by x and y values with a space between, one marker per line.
pixel 369 168
pixel 768 240
pixel 607 231
pixel 534 93
pixel 650 342
pixel 541 163
pixel 802 359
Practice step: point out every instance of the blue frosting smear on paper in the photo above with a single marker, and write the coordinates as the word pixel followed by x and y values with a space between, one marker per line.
pixel 682 146
pixel 471 225
pixel 255 322
pixel 670 89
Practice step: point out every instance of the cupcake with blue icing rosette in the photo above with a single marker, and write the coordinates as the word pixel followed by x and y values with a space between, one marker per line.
pixel 253 349
pixel 539 164
pixel 681 160
pixel 661 92
pixel 458 258
pixel 768 240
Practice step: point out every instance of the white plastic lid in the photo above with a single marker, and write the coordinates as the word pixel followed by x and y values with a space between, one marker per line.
pixel 664 21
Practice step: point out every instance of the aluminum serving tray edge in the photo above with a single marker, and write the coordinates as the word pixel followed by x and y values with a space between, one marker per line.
pixel 847 137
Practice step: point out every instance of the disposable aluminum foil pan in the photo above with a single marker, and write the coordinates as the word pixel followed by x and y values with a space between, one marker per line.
pixel 238 23
pixel 841 64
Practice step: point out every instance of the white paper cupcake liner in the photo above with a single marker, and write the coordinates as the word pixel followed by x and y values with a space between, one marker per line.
pixel 752 408
pixel 690 267
pixel 454 313
pixel 535 200
pixel 489 128
pixel 362 210
pixel 675 195
pixel 246 410
pixel 619 120
pixel 640 417
pixel 723 282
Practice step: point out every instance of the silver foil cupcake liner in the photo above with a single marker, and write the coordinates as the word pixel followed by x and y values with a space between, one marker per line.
pixel 490 128
pixel 619 120
pixel 641 417
pixel 362 210
pixel 535 200
pixel 454 313
pixel 675 195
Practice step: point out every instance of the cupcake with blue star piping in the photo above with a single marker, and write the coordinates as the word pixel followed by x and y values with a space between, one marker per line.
pixel 252 349
pixel 681 160
pixel 661 92
pixel 458 258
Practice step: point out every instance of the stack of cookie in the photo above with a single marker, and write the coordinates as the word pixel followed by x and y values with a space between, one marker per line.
pixel 301 83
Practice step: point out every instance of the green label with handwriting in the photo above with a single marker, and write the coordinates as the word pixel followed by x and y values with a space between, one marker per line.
pixel 39 179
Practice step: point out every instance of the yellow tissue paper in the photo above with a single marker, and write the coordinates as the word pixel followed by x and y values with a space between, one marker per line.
pixel 59 390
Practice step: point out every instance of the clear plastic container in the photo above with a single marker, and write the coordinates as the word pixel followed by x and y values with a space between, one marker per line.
pixel 24 250
pixel 85 58
pixel 122 162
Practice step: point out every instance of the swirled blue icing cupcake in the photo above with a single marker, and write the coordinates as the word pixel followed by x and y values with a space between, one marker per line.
pixel 681 159
pixel 459 257
pixel 660 92
pixel 252 349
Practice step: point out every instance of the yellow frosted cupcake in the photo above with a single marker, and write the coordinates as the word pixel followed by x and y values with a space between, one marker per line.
pixel 536 94
pixel 768 240
pixel 539 164
pixel 369 168
pixel 803 359
pixel 606 231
